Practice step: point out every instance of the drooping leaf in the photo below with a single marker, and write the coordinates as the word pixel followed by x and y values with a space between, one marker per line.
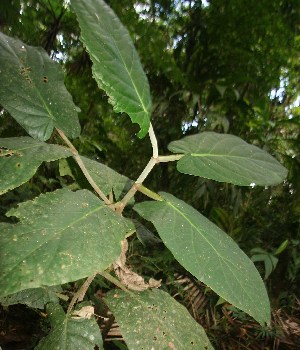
pixel 116 65
pixel 34 297
pixel 20 158
pixel 62 236
pixel 154 320
pixel 209 254
pixel 227 158
pixel 68 333
pixel 105 177
pixel 32 90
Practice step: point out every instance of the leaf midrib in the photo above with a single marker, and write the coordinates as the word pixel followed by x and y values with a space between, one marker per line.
pixel 127 70
pixel 226 261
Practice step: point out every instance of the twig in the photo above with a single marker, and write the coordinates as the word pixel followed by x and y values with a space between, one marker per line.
pixel 82 167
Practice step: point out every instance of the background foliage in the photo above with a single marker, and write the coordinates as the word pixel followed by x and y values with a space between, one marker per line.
pixel 230 67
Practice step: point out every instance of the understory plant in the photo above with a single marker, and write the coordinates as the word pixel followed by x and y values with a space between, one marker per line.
pixel 65 235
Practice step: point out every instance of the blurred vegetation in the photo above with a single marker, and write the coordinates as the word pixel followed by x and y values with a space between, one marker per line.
pixel 229 66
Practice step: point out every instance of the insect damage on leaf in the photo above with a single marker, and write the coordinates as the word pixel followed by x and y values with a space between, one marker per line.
pixel 5 152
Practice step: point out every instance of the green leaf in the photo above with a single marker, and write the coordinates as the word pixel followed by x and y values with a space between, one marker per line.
pixel 209 254
pixel 32 90
pixel 227 158
pixel 116 65
pixel 154 320
pixel 106 178
pixel 70 334
pixel 62 236
pixel 282 247
pixel 34 297
pixel 20 158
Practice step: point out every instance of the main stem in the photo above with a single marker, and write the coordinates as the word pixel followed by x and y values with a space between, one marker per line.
pixel 153 160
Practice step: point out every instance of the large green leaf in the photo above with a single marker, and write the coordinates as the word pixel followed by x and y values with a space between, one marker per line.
pixel 62 236
pixel 209 254
pixel 68 333
pixel 32 90
pixel 154 320
pixel 106 178
pixel 116 65
pixel 34 297
pixel 227 158
pixel 21 156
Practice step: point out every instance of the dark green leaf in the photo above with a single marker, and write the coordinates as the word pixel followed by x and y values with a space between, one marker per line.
pixel 70 334
pixel 154 320
pixel 32 90
pixel 105 177
pixel 35 297
pixel 21 156
pixel 62 236
pixel 116 65
pixel 227 158
pixel 209 254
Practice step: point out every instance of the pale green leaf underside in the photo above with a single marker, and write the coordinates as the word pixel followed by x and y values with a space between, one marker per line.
pixel 20 158
pixel 154 320
pixel 106 178
pixel 227 158
pixel 209 254
pixel 62 236
pixel 32 90
pixel 116 65
pixel 70 334
pixel 34 297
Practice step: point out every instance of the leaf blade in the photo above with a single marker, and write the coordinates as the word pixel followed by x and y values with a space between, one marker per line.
pixel 35 297
pixel 105 177
pixel 209 254
pixel 58 240
pixel 227 158
pixel 20 158
pixel 116 65
pixel 159 321
pixel 32 90
pixel 69 334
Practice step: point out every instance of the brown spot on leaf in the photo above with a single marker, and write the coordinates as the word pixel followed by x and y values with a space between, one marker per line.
pixel 171 345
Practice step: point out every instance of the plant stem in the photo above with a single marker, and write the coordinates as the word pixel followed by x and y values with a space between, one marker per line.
pixel 149 193
pixel 137 186
pixel 79 295
pixel 83 168
pixel 153 140
pixel 112 279
pixel 171 158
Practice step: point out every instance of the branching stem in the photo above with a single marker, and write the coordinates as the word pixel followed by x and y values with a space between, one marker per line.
pixel 137 186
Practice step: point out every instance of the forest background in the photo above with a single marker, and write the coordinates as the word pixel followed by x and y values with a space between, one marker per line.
pixel 226 66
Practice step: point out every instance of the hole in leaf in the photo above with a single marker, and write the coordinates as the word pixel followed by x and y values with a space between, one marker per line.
pixel 18 165
pixel 5 152
pixel 45 79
